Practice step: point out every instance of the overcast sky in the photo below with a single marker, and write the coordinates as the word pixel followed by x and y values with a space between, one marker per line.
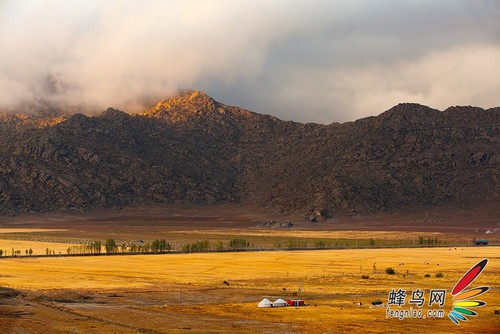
pixel 309 61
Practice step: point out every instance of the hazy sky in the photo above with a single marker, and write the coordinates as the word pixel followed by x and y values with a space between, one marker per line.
pixel 309 61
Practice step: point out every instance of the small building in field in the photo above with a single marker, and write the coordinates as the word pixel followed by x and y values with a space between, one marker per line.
pixel 295 302
pixel 280 303
pixel 481 242
pixel 265 303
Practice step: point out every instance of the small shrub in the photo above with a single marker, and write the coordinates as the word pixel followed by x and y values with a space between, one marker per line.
pixel 427 275
pixel 365 277
pixel 439 275
pixel 390 271
pixel 319 244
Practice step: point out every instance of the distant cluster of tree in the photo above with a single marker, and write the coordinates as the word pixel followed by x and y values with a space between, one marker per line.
pixel 112 247
pixel 320 244
pixel 157 246
pixel 93 247
pixel 297 243
pixel 238 244
pixel 160 246
pixel 205 245
pixel 16 252
pixel 49 251
pixel 428 241
pixel 197 246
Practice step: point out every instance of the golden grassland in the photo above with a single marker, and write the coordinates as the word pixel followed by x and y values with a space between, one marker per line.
pixel 219 292
pixel 60 239
pixel 286 268
pixel 38 247
pixel 383 235
pixel 330 281
pixel 4 230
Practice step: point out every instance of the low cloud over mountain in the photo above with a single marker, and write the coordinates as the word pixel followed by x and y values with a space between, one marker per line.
pixel 309 61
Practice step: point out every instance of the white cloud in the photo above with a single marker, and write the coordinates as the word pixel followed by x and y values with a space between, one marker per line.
pixel 467 75
pixel 319 61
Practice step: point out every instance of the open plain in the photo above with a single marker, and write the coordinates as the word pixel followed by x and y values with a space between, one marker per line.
pixel 218 292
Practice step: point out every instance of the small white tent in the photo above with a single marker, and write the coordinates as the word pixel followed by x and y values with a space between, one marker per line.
pixel 279 303
pixel 265 303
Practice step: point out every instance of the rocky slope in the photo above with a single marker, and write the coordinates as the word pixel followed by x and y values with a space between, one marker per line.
pixel 193 149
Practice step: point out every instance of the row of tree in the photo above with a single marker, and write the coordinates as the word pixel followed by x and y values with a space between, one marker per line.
pixel 93 247
pixel 205 245
pixel 428 241
pixel 112 247
pixel 157 246
pixel 16 252
pixel 197 246
pixel 160 246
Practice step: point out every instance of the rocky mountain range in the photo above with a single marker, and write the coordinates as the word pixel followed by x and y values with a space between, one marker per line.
pixel 193 149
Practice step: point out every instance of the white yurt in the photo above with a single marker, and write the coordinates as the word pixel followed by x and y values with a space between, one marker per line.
pixel 280 303
pixel 265 303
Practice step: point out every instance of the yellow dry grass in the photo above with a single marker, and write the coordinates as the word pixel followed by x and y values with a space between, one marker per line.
pixel 330 279
pixel 29 230
pixel 258 238
pixel 379 235
pixel 38 247
pixel 252 268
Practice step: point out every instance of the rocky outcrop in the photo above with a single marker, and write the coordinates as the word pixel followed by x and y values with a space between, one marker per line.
pixel 275 224
pixel 317 215
pixel 192 149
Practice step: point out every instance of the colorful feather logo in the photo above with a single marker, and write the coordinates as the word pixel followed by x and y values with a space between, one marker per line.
pixel 462 298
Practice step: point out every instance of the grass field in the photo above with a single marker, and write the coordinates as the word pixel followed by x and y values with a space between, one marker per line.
pixel 210 270
pixel 219 292
pixel 186 292
pixel 58 240
pixel 38 247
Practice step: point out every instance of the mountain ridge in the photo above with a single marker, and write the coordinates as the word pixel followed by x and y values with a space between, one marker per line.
pixel 193 149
